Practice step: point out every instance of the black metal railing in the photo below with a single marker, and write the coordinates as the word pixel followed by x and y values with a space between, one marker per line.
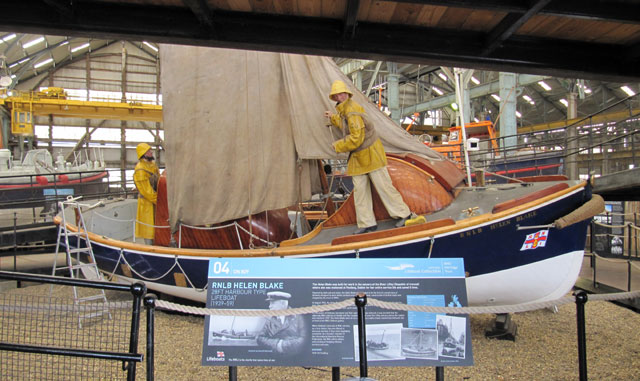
pixel 592 147
pixel 34 193
pixel 35 328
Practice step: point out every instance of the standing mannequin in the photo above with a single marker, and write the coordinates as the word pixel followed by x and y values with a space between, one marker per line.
pixel 367 164
pixel 145 176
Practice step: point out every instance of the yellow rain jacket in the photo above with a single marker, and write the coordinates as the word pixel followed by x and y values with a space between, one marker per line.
pixel 144 175
pixel 366 156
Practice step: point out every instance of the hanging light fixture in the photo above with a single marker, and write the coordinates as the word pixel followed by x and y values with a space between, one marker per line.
pixel 5 78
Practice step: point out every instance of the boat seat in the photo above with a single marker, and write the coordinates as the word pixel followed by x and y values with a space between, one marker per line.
pixel 392 232
pixel 528 198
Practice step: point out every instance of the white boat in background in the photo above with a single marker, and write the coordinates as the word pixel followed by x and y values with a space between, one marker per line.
pixel 30 181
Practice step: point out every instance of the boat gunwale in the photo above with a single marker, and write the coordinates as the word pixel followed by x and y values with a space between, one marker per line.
pixel 324 248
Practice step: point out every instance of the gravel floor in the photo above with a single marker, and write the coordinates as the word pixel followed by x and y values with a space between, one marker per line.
pixel 545 349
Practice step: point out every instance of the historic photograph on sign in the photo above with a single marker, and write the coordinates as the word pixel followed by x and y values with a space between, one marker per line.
pixel 234 330
pixel 383 342
pixel 282 334
pixel 451 336
pixel 420 343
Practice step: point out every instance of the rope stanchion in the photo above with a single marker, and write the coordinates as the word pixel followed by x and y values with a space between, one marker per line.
pixel 361 302
pixel 580 300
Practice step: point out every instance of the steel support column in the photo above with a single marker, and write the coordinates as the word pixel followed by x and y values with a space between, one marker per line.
pixel 571 164
pixel 356 78
pixel 393 93
pixel 507 122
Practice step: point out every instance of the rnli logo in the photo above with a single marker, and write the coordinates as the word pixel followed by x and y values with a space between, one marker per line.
pixel 535 240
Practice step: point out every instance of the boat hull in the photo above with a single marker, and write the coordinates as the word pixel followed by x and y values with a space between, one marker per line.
pixel 528 165
pixel 500 271
pixel 30 192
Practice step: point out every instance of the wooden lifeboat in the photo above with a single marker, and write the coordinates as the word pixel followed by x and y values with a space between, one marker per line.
pixel 426 186
pixel 270 226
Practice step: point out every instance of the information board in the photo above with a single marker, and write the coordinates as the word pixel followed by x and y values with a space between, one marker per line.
pixel 394 338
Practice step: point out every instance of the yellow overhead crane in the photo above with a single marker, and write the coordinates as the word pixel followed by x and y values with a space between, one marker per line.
pixel 53 101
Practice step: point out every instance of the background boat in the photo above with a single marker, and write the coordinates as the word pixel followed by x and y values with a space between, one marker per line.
pixel 38 181
pixel 498 163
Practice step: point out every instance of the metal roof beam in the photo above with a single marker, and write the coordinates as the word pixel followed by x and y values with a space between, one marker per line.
pixel 60 64
pixel 323 36
pixel 351 66
pixel 602 10
pixel 478 91
pixel 202 12
pixel 60 7
pixel 33 58
pixel 373 79
pixel 511 23
pixel 350 19
pixel 12 44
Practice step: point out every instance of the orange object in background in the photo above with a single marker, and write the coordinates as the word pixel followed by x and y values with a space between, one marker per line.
pixel 413 120
pixel 452 149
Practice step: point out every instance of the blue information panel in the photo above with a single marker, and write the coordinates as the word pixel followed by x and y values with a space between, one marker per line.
pixel 394 338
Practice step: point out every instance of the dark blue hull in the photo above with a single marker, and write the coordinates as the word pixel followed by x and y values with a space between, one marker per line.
pixel 492 247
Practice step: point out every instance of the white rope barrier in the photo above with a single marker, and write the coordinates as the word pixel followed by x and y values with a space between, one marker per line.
pixel 612 226
pixel 615 260
pixel 612 260
pixel 609 235
pixel 162 304
pixel 617 214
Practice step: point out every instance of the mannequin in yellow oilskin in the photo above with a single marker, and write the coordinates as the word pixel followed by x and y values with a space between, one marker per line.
pixel 145 176
pixel 367 161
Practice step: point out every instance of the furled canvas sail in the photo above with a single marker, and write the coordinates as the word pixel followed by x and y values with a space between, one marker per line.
pixel 242 129
pixel 308 83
